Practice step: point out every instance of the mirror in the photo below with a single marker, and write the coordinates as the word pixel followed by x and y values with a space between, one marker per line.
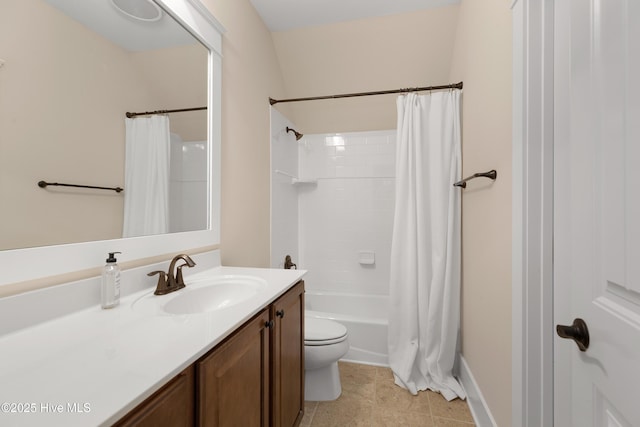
pixel 59 92
pixel 69 77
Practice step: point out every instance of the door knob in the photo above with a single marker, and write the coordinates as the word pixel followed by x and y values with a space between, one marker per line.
pixel 578 332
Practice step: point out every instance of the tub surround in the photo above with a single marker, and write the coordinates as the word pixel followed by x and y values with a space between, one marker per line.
pixel 348 212
pixel 88 366
pixel 346 247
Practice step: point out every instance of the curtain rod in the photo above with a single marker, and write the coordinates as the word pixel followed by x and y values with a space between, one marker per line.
pixel 147 113
pixel 382 92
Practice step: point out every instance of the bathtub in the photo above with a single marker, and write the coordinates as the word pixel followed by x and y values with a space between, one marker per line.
pixel 365 317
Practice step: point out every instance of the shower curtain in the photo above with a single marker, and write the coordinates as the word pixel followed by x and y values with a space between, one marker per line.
pixel 424 313
pixel 146 196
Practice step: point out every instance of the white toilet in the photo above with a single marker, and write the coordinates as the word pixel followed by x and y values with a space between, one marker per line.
pixel 325 341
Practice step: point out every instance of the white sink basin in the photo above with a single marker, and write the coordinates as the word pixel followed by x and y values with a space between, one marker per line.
pixel 202 295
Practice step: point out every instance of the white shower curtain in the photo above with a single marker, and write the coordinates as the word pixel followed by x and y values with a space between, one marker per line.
pixel 424 313
pixel 146 195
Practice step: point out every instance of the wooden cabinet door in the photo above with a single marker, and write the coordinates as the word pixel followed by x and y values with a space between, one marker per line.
pixel 171 406
pixel 288 358
pixel 233 380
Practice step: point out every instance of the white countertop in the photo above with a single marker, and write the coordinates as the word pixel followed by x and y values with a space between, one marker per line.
pixel 93 366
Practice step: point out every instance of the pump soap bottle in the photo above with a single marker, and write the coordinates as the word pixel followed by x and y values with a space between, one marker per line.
pixel 110 289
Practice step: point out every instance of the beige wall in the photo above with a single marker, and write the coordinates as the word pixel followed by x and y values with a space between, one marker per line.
pixel 250 75
pixel 335 58
pixel 343 58
pixel 470 42
pixel 390 52
pixel 64 93
pixel 176 77
pixel 52 130
pixel 482 58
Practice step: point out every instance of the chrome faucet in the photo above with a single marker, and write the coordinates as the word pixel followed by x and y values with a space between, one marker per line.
pixel 168 282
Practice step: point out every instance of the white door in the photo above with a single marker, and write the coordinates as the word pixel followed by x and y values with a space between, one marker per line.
pixel 597 211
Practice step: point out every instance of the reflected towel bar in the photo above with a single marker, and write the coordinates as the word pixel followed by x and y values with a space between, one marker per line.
pixel 150 113
pixel 492 174
pixel 43 184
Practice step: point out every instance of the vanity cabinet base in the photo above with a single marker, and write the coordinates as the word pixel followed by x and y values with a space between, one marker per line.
pixel 287 358
pixel 233 380
pixel 255 377
pixel 171 406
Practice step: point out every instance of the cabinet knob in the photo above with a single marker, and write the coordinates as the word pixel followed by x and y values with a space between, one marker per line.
pixel 280 313
pixel 268 324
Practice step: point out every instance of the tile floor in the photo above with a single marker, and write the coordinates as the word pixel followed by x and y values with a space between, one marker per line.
pixel 370 398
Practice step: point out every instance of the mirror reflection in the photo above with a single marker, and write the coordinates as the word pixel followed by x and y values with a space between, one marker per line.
pixel 69 71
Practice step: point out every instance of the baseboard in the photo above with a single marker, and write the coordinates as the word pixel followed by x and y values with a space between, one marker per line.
pixel 478 406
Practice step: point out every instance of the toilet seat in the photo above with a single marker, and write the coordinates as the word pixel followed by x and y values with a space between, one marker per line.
pixel 319 332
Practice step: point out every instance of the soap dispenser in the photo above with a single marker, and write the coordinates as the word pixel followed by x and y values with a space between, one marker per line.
pixel 110 289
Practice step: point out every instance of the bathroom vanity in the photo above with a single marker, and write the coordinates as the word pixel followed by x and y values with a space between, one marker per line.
pixel 255 377
pixel 66 361
pixel 135 365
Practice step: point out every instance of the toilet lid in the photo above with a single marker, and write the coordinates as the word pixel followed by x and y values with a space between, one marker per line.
pixel 323 331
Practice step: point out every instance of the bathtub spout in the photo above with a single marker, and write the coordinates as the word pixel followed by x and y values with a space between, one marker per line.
pixel 288 264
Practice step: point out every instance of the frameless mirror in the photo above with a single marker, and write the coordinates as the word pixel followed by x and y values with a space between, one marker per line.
pixel 66 86
pixel 71 70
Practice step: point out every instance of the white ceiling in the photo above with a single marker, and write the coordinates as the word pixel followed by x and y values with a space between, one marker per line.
pixel 281 15
pixel 278 15
pixel 102 17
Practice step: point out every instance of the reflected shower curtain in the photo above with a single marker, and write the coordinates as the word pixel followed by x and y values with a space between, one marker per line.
pixel 424 312
pixel 146 195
